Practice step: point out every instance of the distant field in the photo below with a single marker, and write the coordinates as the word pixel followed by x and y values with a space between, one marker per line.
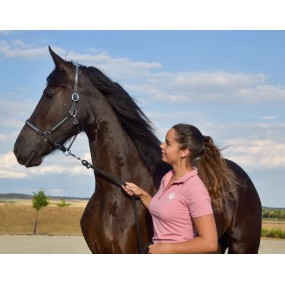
pixel 17 216
pixel 53 202
pixel 269 224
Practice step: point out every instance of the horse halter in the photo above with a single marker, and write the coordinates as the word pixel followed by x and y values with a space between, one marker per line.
pixel 72 113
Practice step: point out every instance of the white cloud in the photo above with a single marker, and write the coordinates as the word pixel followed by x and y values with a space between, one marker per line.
pixel 10 167
pixel 118 67
pixel 19 49
pixel 258 153
pixel 66 165
pixel 261 94
pixel 210 87
pixel 217 80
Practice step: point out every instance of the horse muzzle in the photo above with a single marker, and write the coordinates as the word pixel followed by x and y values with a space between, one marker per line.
pixel 26 157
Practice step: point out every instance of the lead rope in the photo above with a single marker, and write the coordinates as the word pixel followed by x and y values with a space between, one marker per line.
pixel 138 228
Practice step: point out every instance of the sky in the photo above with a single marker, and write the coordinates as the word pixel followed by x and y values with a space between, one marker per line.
pixel 230 84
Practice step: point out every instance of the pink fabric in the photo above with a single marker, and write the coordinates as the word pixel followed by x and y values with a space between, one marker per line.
pixel 172 209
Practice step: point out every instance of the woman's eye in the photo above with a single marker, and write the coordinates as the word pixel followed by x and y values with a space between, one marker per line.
pixel 48 96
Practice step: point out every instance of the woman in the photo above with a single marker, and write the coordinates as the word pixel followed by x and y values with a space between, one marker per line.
pixel 182 210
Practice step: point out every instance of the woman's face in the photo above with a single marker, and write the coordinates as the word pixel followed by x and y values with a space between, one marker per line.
pixel 170 149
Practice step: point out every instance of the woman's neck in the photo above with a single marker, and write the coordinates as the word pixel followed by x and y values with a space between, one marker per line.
pixel 179 172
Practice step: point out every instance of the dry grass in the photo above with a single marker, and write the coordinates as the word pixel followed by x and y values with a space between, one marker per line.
pixel 273 225
pixel 19 218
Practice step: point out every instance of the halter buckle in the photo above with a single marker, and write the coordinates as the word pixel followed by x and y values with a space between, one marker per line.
pixel 75 97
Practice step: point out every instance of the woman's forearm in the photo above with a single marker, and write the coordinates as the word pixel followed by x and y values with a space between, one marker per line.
pixel 145 199
pixel 196 245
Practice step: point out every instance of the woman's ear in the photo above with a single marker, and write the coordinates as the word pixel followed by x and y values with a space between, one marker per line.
pixel 184 152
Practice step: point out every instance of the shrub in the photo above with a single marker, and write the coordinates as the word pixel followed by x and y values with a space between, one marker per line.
pixel 274 233
pixel 62 203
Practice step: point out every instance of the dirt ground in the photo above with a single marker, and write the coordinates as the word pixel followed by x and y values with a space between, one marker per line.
pixel 28 244
pixel 43 244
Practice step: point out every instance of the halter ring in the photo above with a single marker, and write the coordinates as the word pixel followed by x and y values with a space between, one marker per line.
pixel 75 97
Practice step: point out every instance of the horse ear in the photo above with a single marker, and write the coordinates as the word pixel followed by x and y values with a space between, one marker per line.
pixel 59 62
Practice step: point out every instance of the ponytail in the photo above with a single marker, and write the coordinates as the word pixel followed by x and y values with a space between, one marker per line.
pixel 214 172
pixel 218 178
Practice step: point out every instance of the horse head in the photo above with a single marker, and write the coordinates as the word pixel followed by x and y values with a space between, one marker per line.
pixel 56 118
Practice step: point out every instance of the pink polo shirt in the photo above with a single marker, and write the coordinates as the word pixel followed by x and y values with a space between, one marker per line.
pixel 172 209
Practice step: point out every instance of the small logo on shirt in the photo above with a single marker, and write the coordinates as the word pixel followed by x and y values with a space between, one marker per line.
pixel 171 196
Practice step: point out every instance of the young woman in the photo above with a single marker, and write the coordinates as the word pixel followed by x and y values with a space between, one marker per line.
pixel 182 210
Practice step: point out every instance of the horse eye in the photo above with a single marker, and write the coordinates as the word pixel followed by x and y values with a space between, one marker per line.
pixel 48 96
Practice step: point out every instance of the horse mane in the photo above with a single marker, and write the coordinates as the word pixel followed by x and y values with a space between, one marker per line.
pixel 133 120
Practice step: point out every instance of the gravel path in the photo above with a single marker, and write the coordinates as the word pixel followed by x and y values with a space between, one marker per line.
pixel 76 244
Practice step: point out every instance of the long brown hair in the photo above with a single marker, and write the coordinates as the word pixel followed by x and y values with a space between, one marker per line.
pixel 212 168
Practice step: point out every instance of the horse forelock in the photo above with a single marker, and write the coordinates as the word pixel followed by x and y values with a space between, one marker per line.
pixel 57 77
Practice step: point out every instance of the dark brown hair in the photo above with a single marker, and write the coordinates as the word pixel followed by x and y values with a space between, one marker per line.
pixel 212 168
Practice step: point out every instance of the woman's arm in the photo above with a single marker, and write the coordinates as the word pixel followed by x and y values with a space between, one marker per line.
pixel 205 242
pixel 133 189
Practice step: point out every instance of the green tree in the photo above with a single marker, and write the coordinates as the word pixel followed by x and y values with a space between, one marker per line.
pixel 40 200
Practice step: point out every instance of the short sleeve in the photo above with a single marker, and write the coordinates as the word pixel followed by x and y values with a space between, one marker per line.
pixel 198 200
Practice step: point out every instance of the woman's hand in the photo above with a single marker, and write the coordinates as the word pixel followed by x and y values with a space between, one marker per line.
pixel 158 248
pixel 132 189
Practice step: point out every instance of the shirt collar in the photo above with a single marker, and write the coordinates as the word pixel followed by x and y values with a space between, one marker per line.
pixel 184 178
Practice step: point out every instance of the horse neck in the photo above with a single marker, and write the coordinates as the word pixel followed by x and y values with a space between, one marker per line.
pixel 111 148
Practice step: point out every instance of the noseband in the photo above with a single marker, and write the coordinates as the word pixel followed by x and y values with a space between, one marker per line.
pixel 72 113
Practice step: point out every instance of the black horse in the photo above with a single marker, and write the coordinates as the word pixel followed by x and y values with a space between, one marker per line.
pixel 122 143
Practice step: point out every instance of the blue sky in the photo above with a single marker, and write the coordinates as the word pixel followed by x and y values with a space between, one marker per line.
pixel 230 84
